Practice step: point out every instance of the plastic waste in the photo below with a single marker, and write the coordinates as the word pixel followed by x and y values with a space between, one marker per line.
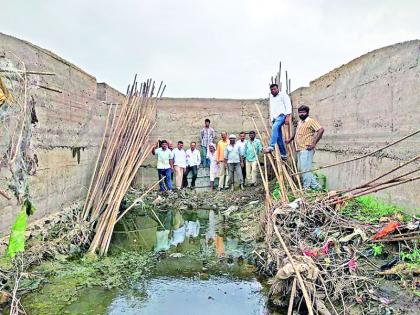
pixel 178 236
pixel 192 229
pixel 162 241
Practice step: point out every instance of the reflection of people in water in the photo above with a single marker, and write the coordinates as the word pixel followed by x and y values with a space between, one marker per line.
pixel 211 235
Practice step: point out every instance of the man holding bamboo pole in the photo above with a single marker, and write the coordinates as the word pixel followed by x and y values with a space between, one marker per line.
pixel 307 134
pixel 165 164
pixel 280 113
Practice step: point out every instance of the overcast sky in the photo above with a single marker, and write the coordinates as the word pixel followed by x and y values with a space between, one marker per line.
pixel 217 48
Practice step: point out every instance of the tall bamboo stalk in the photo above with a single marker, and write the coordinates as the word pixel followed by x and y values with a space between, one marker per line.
pixel 120 157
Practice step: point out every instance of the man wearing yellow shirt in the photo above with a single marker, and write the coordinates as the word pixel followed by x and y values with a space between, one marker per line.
pixel 307 134
pixel 220 157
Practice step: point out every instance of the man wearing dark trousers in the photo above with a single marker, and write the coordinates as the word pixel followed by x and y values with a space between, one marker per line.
pixel 193 162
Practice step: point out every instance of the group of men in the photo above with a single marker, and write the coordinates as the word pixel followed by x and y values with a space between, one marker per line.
pixel 231 158
pixel 226 160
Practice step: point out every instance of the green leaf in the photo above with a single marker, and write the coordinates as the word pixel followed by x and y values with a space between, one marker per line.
pixel 17 236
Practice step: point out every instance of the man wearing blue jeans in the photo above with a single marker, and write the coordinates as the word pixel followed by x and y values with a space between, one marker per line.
pixel 307 134
pixel 165 164
pixel 280 114
pixel 207 136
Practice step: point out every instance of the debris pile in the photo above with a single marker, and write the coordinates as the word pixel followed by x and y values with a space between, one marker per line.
pixel 329 250
pixel 315 256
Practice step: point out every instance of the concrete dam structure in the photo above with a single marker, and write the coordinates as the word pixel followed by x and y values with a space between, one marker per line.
pixel 363 105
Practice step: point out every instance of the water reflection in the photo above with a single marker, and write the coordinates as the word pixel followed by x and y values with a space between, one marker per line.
pixel 178 231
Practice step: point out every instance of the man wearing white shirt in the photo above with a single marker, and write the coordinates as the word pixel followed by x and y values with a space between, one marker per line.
pixel 180 163
pixel 193 162
pixel 241 144
pixel 280 114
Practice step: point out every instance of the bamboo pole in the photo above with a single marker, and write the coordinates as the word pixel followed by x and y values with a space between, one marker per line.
pixel 292 298
pixel 297 272
pixel 375 189
pixel 124 153
pixel 360 157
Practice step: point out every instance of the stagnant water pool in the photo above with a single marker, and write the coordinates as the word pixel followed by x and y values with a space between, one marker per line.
pixel 172 295
pixel 203 268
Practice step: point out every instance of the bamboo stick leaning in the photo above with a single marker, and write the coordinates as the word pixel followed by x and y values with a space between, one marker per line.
pixel 123 150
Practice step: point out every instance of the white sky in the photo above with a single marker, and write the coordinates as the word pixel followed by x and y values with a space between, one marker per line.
pixel 217 48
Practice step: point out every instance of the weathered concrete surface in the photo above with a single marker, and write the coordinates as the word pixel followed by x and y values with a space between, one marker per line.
pixel 183 118
pixel 364 105
pixel 70 116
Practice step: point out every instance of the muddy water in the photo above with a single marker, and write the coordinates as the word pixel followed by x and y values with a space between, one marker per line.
pixel 202 269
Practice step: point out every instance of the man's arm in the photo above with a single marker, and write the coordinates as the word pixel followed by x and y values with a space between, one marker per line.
pixel 317 136
pixel 198 159
pixel 259 147
pixel 155 147
pixel 288 108
pixel 171 163
pixel 292 137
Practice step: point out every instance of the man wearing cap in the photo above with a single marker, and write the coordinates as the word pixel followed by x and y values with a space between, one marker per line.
pixel 280 113
pixel 220 157
pixel 214 168
pixel 234 161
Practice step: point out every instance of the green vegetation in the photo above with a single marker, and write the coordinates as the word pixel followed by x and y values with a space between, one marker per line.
pixel 412 257
pixel 377 249
pixel 68 279
pixel 17 236
pixel 371 209
pixel 322 180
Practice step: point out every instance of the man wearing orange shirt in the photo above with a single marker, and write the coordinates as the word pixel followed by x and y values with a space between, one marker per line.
pixel 220 157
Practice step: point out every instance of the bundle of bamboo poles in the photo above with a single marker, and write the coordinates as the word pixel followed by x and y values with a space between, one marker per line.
pixel 123 150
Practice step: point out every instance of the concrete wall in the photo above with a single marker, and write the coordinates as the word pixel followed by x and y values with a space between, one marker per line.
pixel 70 116
pixel 364 105
pixel 183 118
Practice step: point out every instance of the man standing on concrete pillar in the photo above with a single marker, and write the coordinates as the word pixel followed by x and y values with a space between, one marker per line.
pixel 207 136
pixel 234 161
pixel 165 164
pixel 193 162
pixel 307 134
pixel 280 114
pixel 220 157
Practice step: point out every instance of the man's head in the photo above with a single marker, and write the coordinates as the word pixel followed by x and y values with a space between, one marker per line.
pixel 242 136
pixel 252 135
pixel 303 112
pixel 212 147
pixel 232 139
pixel 207 122
pixel 170 145
pixel 164 144
pixel 224 135
pixel 180 145
pixel 274 89
pixel 192 146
